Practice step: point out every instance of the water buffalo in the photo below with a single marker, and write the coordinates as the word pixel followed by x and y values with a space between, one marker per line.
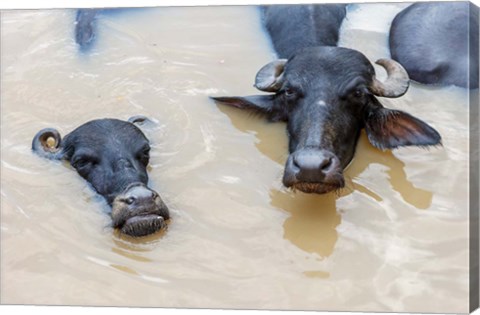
pixel 112 155
pixel 85 27
pixel 86 24
pixel 293 27
pixel 327 94
pixel 437 43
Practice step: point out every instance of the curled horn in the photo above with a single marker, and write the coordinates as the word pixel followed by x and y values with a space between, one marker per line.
pixel 270 77
pixel 47 143
pixel 396 83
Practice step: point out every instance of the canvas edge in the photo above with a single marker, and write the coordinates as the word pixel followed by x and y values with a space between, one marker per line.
pixel 474 121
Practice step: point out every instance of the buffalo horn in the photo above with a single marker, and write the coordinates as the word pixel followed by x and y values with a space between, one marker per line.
pixel 396 83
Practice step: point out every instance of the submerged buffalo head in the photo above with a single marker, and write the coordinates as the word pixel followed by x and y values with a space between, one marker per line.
pixel 112 155
pixel 327 95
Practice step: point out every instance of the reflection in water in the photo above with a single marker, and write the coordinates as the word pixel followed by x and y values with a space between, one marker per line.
pixel 272 137
pixel 124 269
pixel 317 274
pixel 313 220
pixel 132 247
pixel 131 255
pixel 367 154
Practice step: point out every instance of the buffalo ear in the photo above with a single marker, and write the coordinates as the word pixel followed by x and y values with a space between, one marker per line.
pixel 270 77
pixel 48 144
pixel 389 129
pixel 262 104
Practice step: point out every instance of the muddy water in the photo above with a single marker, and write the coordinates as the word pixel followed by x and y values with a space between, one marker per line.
pixel 394 240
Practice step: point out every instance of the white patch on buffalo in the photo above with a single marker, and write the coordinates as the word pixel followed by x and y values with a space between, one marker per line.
pixel 321 103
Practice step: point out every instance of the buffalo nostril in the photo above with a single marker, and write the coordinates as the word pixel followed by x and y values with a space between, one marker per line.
pixel 154 195
pixel 326 164
pixel 295 163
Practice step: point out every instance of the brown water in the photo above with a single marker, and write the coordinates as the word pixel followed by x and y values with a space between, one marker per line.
pixel 396 239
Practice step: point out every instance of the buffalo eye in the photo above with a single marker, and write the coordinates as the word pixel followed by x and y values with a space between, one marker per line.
pixel 144 155
pixel 358 93
pixel 291 92
pixel 83 163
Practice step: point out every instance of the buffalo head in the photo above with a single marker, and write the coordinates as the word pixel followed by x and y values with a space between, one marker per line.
pixel 112 155
pixel 327 95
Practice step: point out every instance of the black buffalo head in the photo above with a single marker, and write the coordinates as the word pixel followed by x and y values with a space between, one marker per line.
pixel 112 155
pixel 327 95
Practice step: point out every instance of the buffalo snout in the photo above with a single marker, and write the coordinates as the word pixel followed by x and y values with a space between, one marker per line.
pixel 139 211
pixel 313 171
